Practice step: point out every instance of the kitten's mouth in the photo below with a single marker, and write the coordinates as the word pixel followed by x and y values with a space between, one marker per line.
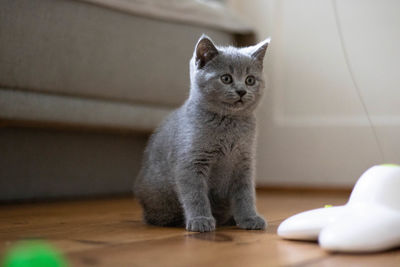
pixel 237 104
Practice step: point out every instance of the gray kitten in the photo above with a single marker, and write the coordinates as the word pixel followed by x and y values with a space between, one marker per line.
pixel 198 165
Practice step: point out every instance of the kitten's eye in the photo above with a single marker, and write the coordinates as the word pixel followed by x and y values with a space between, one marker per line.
pixel 250 80
pixel 226 79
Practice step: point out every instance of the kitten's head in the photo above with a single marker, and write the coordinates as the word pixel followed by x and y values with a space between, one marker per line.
pixel 227 80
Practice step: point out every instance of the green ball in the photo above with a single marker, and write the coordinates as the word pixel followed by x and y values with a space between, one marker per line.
pixel 33 254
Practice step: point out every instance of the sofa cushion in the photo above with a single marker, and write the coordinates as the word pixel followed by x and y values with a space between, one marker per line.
pixel 80 49
pixel 41 109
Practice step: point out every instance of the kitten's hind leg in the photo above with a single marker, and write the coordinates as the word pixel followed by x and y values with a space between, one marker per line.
pixel 163 213
pixel 162 219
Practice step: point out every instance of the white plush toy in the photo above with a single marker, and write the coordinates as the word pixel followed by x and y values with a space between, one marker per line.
pixel 369 222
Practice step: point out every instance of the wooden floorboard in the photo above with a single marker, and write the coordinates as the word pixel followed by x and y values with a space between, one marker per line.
pixel 109 232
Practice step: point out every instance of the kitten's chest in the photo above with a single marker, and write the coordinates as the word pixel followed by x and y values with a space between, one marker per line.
pixel 228 137
pixel 232 142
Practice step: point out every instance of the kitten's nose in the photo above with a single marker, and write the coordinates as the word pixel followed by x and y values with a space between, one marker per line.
pixel 241 92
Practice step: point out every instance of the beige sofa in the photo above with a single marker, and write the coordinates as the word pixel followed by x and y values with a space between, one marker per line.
pixel 83 83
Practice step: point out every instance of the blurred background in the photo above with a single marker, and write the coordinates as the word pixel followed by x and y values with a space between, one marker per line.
pixel 84 82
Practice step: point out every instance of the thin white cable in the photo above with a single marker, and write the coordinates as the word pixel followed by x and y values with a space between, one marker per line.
pixel 357 88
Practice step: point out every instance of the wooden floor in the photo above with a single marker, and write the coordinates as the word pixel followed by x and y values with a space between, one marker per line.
pixel 109 232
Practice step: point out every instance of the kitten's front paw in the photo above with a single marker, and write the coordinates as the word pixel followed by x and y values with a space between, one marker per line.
pixel 252 223
pixel 201 224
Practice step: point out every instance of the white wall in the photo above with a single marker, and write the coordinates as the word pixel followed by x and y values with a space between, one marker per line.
pixel 333 67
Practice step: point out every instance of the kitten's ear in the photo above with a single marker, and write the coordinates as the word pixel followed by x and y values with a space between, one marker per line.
pixel 205 51
pixel 260 49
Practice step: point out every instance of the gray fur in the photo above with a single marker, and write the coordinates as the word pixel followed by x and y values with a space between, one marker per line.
pixel 198 165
